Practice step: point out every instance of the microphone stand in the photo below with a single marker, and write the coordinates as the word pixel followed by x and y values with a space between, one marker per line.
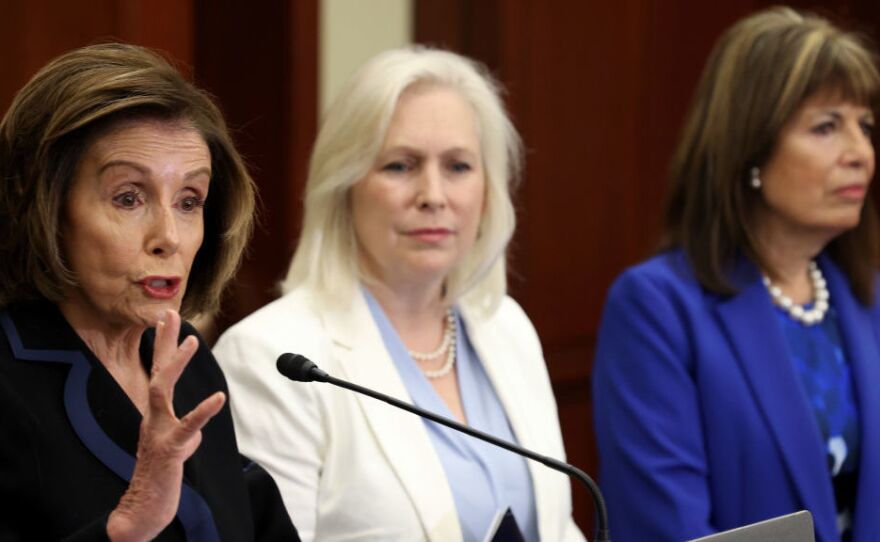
pixel 602 534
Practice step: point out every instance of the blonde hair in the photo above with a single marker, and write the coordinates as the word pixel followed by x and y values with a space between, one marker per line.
pixel 47 129
pixel 757 76
pixel 346 148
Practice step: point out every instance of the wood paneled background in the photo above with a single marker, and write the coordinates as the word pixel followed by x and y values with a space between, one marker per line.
pixel 597 89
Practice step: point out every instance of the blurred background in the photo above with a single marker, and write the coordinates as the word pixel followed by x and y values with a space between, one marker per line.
pixel 597 89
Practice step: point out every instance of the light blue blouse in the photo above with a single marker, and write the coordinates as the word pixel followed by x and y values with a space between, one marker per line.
pixel 483 478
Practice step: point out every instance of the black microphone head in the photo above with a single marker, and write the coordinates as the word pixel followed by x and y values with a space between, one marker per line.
pixel 299 368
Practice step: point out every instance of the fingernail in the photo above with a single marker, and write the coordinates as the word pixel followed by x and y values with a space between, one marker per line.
pixel 163 317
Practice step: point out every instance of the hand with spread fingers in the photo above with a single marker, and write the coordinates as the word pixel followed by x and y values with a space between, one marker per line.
pixel 166 441
pixel 112 417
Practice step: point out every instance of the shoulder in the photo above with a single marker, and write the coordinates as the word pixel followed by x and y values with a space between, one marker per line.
pixel 507 332
pixel 299 304
pixel 508 318
pixel 292 315
pixel 510 313
pixel 667 272
pixel 658 299
pixel 294 322
pixel 661 284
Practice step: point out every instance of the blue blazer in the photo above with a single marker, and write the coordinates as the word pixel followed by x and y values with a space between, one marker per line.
pixel 701 420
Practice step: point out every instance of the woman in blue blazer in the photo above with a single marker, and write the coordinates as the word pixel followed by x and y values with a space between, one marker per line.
pixel 737 373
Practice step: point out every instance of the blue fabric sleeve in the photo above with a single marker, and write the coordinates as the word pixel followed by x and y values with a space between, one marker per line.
pixel 653 466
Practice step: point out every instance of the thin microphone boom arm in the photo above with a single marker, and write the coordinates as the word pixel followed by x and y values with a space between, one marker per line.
pixel 300 368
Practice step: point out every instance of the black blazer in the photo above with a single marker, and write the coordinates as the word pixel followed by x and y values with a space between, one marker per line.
pixel 68 437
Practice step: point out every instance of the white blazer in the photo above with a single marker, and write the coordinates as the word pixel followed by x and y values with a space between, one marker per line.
pixel 350 467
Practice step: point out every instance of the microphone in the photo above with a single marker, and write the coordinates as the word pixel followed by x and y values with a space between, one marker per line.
pixel 302 369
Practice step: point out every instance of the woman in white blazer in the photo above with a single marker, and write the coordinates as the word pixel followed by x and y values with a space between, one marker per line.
pixel 398 284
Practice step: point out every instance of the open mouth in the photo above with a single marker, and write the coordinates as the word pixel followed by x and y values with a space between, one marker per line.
pixel 161 287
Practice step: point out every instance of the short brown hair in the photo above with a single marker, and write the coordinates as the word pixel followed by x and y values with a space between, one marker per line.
pixel 758 74
pixel 44 135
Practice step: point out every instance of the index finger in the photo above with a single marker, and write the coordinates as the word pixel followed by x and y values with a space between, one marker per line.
pixel 165 342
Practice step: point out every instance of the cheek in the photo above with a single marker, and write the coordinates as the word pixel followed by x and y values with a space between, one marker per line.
pixel 799 176
pixel 99 251
pixel 194 239
pixel 363 225
pixel 473 205
pixel 372 212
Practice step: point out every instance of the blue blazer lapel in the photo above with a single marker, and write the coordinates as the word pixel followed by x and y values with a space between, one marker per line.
pixel 858 327
pixel 763 356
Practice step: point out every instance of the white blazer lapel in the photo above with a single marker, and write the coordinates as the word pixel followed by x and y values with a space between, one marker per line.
pixel 401 435
pixel 498 356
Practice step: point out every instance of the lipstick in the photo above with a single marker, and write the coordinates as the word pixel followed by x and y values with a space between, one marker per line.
pixel 430 235
pixel 161 287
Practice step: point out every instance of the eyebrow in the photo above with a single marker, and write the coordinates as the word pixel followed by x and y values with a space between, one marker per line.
pixel 836 115
pixel 141 169
pixel 408 149
pixel 197 172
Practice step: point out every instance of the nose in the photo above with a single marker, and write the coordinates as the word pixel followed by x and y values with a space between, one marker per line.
pixel 163 239
pixel 860 150
pixel 430 191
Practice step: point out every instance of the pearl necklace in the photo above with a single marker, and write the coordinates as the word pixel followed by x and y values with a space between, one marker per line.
pixel 446 345
pixel 798 312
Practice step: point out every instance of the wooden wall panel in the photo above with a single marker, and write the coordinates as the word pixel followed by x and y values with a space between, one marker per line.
pixel 167 25
pixel 598 91
pixel 260 61
pixel 34 31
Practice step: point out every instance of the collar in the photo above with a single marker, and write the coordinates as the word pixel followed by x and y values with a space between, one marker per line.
pixel 48 338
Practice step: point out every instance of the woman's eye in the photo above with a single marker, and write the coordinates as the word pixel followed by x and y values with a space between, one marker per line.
pixel 460 167
pixel 191 203
pixel 824 128
pixel 128 200
pixel 396 167
pixel 868 129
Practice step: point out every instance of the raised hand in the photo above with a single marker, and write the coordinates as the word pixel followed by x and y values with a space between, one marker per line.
pixel 165 442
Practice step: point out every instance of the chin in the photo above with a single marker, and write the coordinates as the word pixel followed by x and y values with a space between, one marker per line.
pixel 850 221
pixel 149 315
pixel 839 227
